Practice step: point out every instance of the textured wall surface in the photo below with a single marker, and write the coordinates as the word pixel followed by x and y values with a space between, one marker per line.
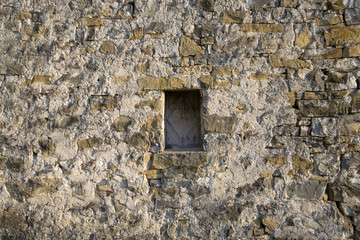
pixel 82 119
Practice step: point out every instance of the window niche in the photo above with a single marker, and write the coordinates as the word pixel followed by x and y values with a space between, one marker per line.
pixel 183 130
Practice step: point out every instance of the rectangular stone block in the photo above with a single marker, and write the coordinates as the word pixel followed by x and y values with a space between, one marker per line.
pixel 342 35
pixel 160 83
pixel 355 104
pixel 322 108
pixel 309 190
pixel 352 51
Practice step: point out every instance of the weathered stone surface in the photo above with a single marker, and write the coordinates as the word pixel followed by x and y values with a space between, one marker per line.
pixel 322 127
pixel 138 140
pixel 277 62
pixel 206 5
pixel 352 16
pixel 176 159
pixel 350 160
pixel 105 102
pixel 89 143
pixel 215 123
pixel 3 163
pixel 309 190
pixel 322 108
pixel 108 47
pixel 47 146
pixel 304 38
pixel 151 83
pixel 342 35
pixel 91 22
pixel 189 47
pixel 122 123
pixel 355 103
pixel 289 3
pixel 352 51
pixel 15 69
pixel 42 79
pixel 264 28
pixel 234 16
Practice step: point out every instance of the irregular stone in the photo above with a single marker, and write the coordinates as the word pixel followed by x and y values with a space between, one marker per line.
pixel 24 15
pixel 15 69
pixel 350 161
pixel 139 33
pixel 327 164
pixel 300 163
pixel 355 103
pixel 264 27
pixel 304 38
pixel 42 79
pixel 277 62
pixel 309 190
pixel 47 147
pixel 122 123
pixel 12 220
pixel 315 95
pixel 215 123
pixel 206 5
pixel 153 174
pixel 342 35
pixel 189 47
pixel 334 193
pixel 279 159
pixel 104 190
pixel 108 47
pixel 322 127
pixel 289 3
pixel 207 41
pixel 329 20
pixel 234 16
pixel 138 140
pixel 332 54
pixel 3 163
pixel 182 159
pixel 90 143
pixel 154 104
pixel 352 16
pixel 149 50
pixel 91 22
pixel 105 102
pixel 221 71
pixel 66 121
pixel 153 123
pixel 120 80
pixel 352 51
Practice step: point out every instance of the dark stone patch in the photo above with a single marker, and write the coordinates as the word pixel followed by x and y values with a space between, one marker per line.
pixel 310 190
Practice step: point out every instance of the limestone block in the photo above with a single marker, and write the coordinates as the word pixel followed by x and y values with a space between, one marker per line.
pixel 215 123
pixel 352 51
pixel 289 3
pixel 91 22
pixel 327 164
pixel 309 190
pixel 352 16
pixel 322 127
pixel 355 104
pixel 342 35
pixel 108 47
pixel 350 160
pixel 234 16
pixel 122 123
pixel 15 69
pixel 189 47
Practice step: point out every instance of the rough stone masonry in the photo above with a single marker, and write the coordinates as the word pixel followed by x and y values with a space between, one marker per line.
pixel 82 139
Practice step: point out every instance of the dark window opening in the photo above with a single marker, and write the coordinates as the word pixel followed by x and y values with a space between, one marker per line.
pixel 183 121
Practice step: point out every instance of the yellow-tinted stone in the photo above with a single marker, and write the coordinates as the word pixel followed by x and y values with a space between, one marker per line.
pixel 163 83
pixel 207 80
pixel 91 22
pixel 301 163
pixel 44 79
pixel 234 16
pixel 89 143
pixel 259 76
pixel 139 33
pixel 265 27
pixel 352 51
pixel 342 35
pixel 289 3
pixel 120 80
pixel 142 68
pixel 153 104
pixel 277 160
pixel 269 222
pixel 189 47
pixel 221 71
pixel 304 38
pixel 336 53
pixel 153 123
pixel 108 47
pixel 24 15
pixel 331 21
pixel 277 62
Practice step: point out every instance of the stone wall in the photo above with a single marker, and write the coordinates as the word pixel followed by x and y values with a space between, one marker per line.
pixel 82 119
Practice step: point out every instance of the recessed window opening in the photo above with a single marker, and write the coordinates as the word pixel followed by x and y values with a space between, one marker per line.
pixel 183 130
